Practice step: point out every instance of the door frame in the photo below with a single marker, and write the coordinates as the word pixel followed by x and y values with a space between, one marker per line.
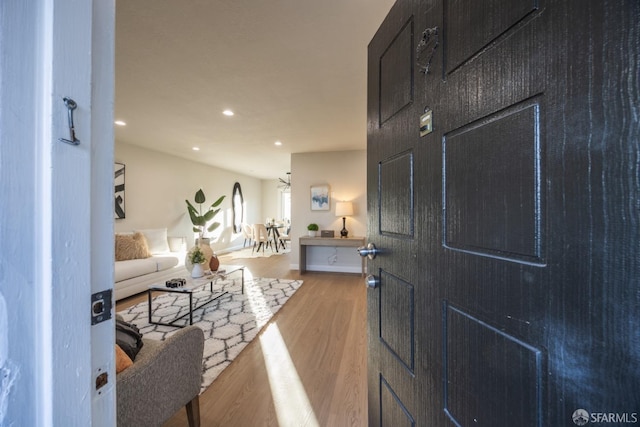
pixel 56 235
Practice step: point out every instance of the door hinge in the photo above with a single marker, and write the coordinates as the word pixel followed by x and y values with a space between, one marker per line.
pixel 101 306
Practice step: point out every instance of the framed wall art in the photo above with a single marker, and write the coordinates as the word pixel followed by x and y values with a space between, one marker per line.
pixel 320 198
pixel 119 190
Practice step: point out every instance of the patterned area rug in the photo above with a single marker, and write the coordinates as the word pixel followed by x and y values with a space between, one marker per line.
pixel 229 323
pixel 249 253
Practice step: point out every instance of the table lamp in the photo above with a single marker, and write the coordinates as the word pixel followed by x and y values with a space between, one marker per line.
pixel 344 209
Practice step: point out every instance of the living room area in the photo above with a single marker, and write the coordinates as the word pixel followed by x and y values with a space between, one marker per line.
pixel 221 140
pixel 326 315
pixel 307 365
pixel 157 184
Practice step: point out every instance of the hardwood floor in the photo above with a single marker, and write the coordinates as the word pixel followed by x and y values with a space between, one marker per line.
pixel 307 367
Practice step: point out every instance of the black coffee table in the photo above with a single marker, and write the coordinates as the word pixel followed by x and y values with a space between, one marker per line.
pixel 191 286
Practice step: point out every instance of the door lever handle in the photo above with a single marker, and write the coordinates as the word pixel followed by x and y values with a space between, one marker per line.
pixel 369 251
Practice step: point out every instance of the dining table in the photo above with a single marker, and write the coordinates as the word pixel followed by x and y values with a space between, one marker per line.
pixel 274 234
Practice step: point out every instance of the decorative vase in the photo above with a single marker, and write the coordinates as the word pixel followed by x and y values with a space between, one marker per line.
pixel 312 233
pixel 203 244
pixel 197 271
pixel 214 263
pixel 205 247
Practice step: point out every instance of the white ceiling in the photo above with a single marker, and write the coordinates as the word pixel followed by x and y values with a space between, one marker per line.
pixel 291 70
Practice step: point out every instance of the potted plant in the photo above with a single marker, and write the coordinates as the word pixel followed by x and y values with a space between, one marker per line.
pixel 200 217
pixel 197 258
pixel 313 229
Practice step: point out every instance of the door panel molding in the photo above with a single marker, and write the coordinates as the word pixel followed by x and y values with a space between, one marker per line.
pixel 392 410
pixel 396 74
pixel 492 185
pixel 396 196
pixel 397 324
pixel 469 32
pixel 491 378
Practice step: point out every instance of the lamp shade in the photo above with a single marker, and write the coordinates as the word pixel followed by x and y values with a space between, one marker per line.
pixel 344 208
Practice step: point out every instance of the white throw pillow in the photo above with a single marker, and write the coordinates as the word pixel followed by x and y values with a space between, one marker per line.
pixel 177 244
pixel 156 240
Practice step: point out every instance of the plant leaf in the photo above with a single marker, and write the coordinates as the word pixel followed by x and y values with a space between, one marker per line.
pixel 217 202
pixel 209 215
pixel 196 219
pixel 200 197
pixel 213 226
pixel 200 221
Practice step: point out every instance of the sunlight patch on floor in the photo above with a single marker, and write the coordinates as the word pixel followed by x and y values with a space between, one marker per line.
pixel 293 408
pixel 247 274
pixel 257 303
pixel 252 253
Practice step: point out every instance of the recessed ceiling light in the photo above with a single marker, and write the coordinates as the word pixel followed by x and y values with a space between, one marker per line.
pixel 278 143
pixel 228 113
pixel 196 148
pixel 120 123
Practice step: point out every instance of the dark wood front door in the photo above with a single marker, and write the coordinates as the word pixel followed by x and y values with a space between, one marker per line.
pixel 509 242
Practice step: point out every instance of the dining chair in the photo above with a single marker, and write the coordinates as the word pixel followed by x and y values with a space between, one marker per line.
pixel 260 237
pixel 247 233
pixel 284 238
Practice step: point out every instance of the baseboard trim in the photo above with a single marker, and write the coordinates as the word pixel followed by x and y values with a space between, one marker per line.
pixel 331 268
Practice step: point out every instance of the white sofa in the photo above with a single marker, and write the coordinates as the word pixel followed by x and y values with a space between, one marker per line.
pixel 166 262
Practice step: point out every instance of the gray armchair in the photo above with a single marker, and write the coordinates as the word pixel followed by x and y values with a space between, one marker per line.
pixel 165 376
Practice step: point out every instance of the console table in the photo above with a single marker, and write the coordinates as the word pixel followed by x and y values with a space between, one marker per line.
pixel 305 242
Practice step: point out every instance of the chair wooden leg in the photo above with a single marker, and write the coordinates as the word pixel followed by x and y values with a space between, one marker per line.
pixel 193 412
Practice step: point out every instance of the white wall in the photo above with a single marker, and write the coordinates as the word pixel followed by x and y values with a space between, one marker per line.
pixel 345 172
pixel 271 200
pixel 157 184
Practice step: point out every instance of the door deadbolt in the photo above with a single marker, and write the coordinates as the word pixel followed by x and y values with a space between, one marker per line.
pixel 371 281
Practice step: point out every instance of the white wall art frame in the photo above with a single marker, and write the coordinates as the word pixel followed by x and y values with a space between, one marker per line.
pixel 320 198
